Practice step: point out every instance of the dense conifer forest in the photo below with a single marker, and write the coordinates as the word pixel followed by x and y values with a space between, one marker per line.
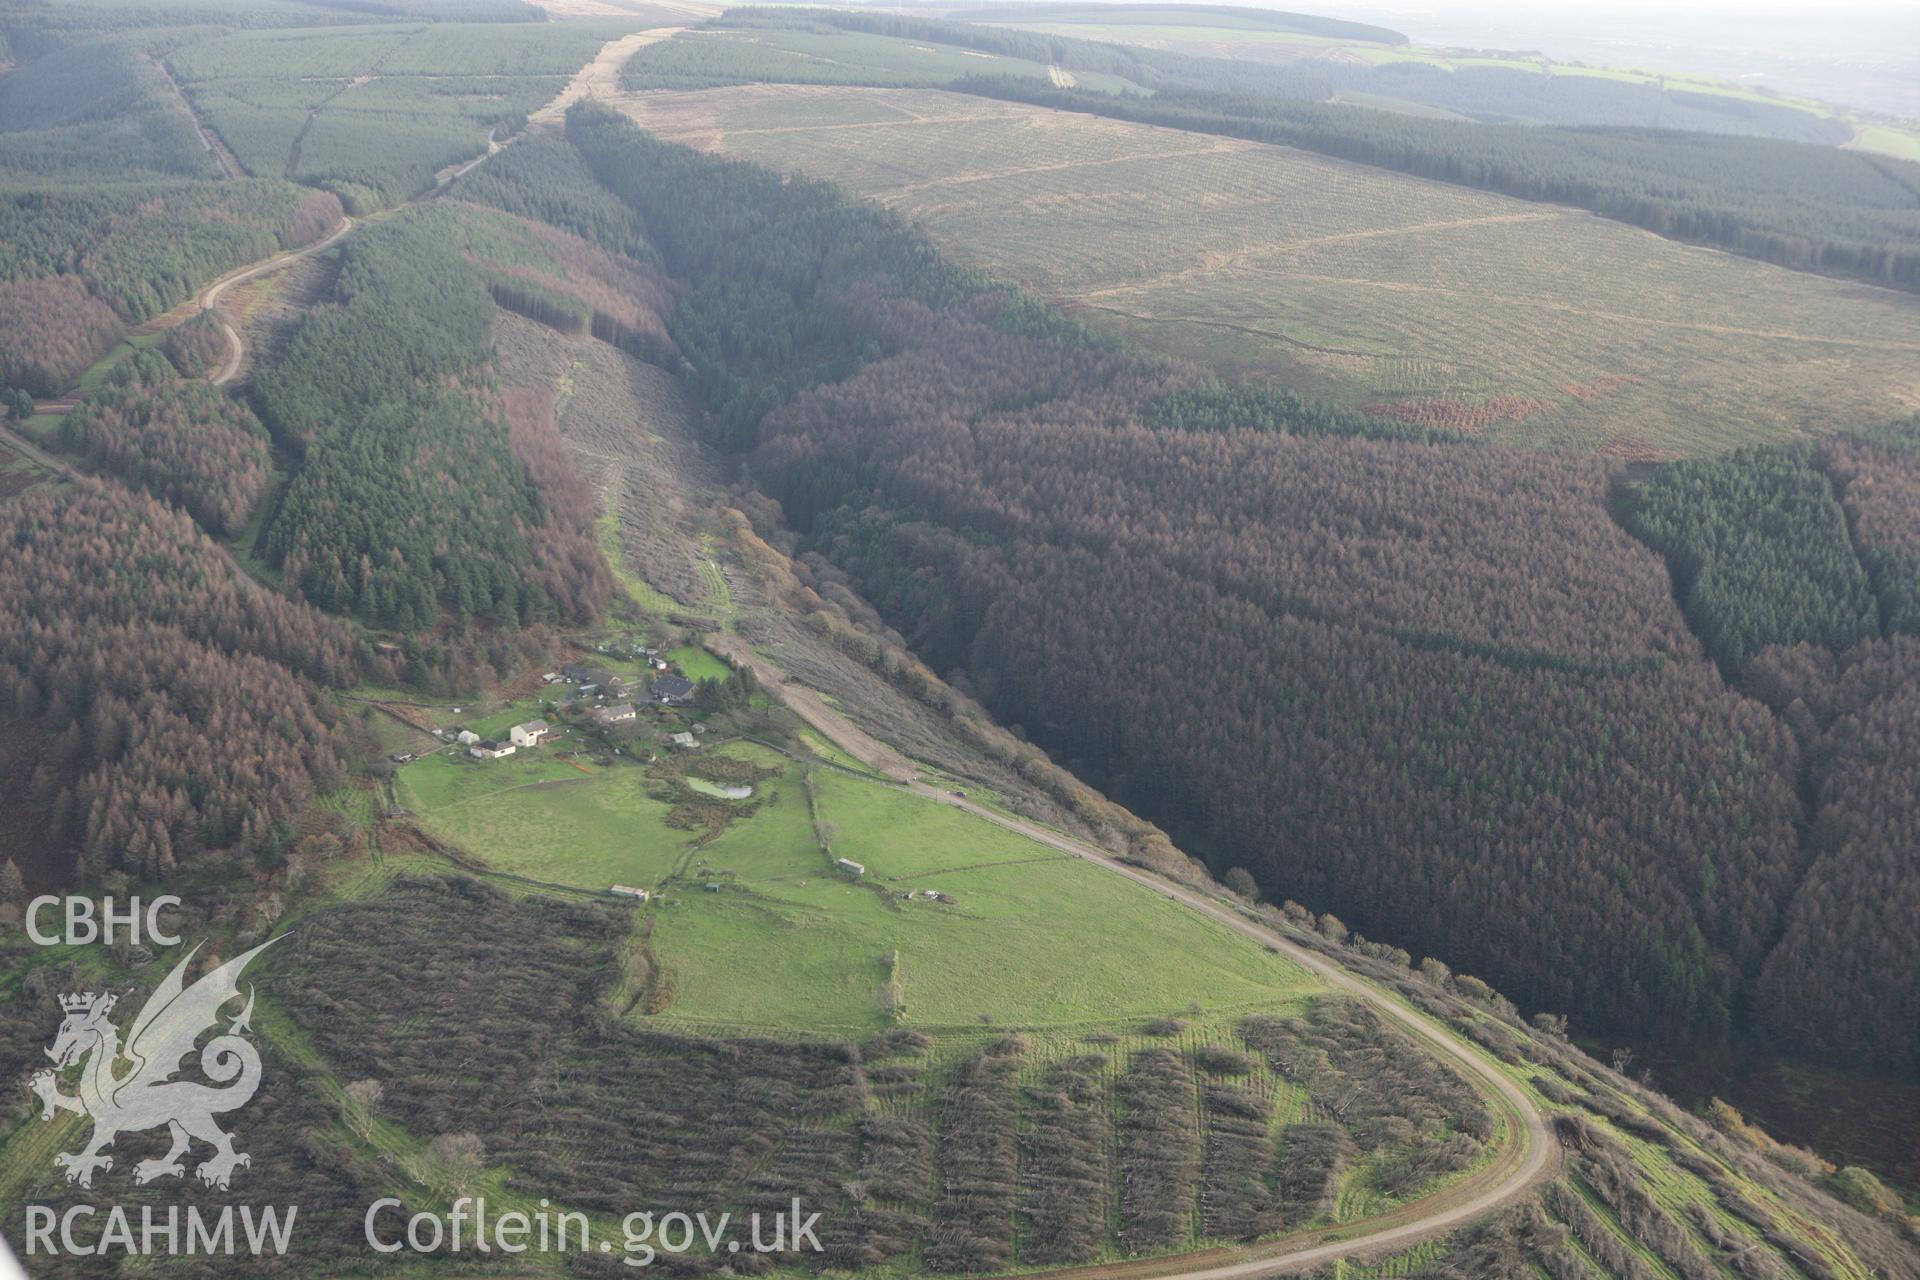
pixel 1878 475
pixel 186 443
pixel 1638 745
pixel 50 330
pixel 560 279
pixel 145 246
pixel 181 696
pixel 197 346
pixel 1850 928
pixel 1312 24
pixel 78 264
pixel 762 257
pixel 546 180
pixel 96 109
pixel 409 497
pixel 1760 552
pixel 1523 95
pixel 32 28
pixel 1148 69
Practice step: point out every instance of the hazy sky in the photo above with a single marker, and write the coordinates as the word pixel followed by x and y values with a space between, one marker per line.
pixel 1864 53
pixel 1799 7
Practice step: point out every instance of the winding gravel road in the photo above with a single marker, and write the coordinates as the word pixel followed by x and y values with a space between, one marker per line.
pixel 598 77
pixel 1528 1157
pixel 209 299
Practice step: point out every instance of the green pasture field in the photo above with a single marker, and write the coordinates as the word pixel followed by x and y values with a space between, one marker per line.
pixel 451 779
pixel 1033 938
pixel 725 55
pixel 827 751
pixel 697 664
pixel 1527 323
pixel 1888 140
pixel 535 815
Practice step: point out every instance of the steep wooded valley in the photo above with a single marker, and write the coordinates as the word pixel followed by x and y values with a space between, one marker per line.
pixel 722 701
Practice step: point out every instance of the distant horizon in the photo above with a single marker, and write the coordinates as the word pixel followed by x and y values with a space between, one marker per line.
pixel 1863 54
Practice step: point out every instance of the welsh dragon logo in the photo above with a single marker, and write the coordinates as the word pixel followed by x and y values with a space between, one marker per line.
pixel 145 1095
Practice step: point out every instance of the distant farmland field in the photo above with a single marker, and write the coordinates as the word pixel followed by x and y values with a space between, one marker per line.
pixel 1527 323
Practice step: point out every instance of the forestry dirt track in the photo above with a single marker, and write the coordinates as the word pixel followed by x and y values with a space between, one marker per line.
pixel 600 76
pixel 209 299
pixel 1529 1157
pixel 597 77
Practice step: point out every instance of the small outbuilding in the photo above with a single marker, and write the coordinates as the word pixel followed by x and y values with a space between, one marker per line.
pixel 851 867
pixel 488 749
pixel 587 677
pixel 466 737
pixel 628 891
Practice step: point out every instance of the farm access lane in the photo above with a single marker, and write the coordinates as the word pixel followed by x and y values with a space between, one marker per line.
pixel 1528 1158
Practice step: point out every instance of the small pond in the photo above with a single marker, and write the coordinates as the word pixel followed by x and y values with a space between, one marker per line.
pixel 719 790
